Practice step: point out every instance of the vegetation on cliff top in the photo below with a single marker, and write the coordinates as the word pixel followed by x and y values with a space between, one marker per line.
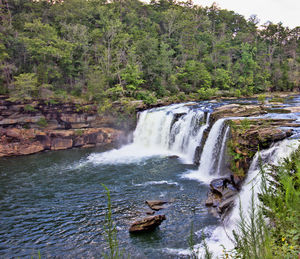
pixel 106 50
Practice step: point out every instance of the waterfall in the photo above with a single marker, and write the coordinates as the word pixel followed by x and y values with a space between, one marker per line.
pixel 211 148
pixel 222 152
pixel 153 129
pixel 223 235
pixel 186 134
pixel 172 130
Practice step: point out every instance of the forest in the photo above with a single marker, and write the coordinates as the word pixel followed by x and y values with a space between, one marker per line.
pixel 101 50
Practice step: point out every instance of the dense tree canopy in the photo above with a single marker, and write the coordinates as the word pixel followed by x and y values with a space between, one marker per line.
pixel 98 49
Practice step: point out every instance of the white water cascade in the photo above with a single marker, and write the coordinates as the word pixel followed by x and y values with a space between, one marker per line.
pixel 222 150
pixel 171 130
pixel 186 133
pixel 213 150
pixel 223 235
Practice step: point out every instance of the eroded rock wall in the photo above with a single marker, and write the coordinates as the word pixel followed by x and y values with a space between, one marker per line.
pixel 31 127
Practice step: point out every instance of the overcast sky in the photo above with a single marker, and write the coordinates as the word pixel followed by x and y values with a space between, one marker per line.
pixel 285 11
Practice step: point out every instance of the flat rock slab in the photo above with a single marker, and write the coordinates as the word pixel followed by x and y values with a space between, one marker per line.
pixel 146 224
pixel 156 204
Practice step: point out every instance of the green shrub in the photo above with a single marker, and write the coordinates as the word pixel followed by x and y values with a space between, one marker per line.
pixel 79 132
pixel 206 93
pixel 25 87
pixel 261 98
pixel 276 100
pixel 237 93
pixel 111 231
pixel 29 108
pixel 181 96
pixel 279 236
pixel 42 122
pixel 147 96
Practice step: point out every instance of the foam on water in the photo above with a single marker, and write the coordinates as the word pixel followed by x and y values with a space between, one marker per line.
pixel 126 155
pixel 156 183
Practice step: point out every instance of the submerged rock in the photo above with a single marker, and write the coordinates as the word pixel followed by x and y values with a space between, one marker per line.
pixel 173 157
pixel 150 212
pixel 146 224
pixel 156 204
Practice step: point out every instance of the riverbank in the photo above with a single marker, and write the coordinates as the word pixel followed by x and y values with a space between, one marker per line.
pixel 34 126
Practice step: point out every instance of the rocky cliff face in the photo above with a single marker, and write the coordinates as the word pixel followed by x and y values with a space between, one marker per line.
pixel 247 136
pixel 31 127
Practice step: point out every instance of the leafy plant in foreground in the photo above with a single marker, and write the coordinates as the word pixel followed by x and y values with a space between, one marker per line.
pixel 111 231
pixel 272 230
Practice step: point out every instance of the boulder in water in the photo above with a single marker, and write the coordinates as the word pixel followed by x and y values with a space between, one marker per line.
pixel 213 199
pixel 223 187
pixel 221 195
pixel 156 204
pixel 226 205
pixel 146 224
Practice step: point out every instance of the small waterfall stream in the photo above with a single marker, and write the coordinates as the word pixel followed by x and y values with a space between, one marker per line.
pixel 222 235
pixel 212 148
pixel 222 151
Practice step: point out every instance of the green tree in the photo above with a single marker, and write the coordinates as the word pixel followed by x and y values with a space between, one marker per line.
pixel 192 76
pixel 222 79
pixel 24 87
pixel 132 78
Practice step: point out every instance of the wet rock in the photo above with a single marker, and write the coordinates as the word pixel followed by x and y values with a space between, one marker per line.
pixel 173 157
pixel 237 181
pixel 223 187
pixel 146 224
pixel 14 141
pixel 156 204
pixel 197 155
pixel 12 149
pixel 225 205
pixel 213 199
pixel 221 195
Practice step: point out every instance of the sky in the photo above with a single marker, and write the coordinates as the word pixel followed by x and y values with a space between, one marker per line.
pixel 285 11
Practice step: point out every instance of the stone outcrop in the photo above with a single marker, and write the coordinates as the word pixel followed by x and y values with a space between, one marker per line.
pixel 31 127
pixel 146 224
pixel 16 141
pixel 221 195
pixel 247 136
pixel 237 110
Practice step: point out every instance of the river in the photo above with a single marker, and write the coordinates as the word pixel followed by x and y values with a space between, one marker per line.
pixel 54 202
